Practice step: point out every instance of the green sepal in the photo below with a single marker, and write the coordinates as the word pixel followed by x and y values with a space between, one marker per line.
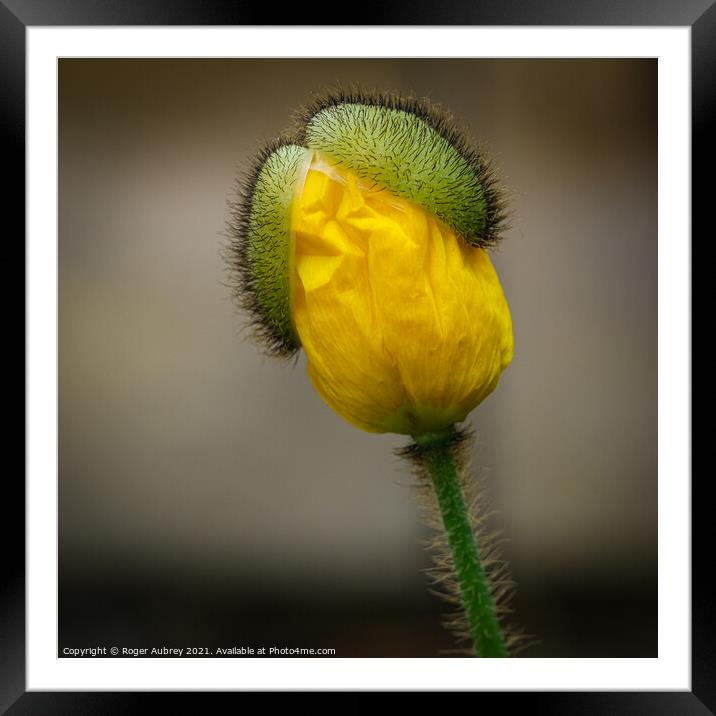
pixel 414 150
pixel 261 245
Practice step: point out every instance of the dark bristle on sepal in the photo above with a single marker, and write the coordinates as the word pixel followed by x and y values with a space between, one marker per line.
pixel 441 575
pixel 241 277
pixel 443 123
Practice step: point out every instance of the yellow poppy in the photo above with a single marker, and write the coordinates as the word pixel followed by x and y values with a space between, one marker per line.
pixel 405 326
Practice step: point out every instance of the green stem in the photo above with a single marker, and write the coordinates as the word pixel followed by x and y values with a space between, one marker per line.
pixel 436 449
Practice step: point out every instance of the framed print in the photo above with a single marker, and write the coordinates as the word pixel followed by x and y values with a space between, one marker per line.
pixel 245 422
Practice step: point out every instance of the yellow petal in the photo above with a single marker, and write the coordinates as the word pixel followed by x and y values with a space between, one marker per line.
pixel 405 326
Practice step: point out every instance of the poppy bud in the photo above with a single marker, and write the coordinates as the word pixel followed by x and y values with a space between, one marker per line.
pixel 363 240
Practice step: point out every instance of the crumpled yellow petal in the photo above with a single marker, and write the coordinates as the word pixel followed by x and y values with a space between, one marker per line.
pixel 405 326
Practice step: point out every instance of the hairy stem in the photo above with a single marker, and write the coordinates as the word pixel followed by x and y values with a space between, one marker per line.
pixel 437 452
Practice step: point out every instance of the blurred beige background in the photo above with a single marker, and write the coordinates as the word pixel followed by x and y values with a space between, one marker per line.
pixel 207 494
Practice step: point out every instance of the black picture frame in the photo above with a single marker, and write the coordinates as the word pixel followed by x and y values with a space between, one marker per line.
pixel 17 15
